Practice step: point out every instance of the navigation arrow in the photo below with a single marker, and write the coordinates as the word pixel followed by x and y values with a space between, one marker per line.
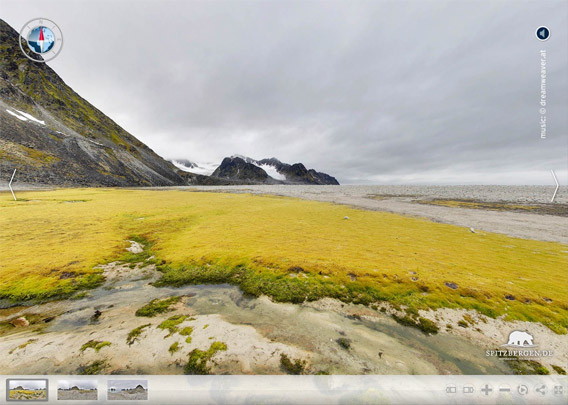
pixel 10 185
pixel 557 186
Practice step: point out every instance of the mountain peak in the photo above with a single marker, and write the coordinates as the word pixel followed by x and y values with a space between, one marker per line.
pixel 270 171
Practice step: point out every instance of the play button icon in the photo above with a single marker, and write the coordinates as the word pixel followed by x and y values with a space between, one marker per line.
pixel 542 33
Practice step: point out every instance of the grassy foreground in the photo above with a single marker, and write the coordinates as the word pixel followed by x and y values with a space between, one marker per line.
pixel 289 249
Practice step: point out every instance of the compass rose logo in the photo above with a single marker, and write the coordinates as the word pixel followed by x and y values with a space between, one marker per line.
pixel 41 40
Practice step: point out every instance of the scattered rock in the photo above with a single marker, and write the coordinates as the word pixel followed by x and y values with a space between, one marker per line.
pixel 546 299
pixel 295 269
pixel 352 276
pixel 453 286
pixel 135 247
pixel 345 217
pixel 509 297
pixel 472 230
pixel 67 274
pixel 20 322
pixel 48 319
pixel 96 315
pixel 414 278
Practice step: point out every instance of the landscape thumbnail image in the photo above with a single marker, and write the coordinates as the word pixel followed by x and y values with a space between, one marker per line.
pixel 127 390
pixel 77 390
pixel 27 390
pixel 305 188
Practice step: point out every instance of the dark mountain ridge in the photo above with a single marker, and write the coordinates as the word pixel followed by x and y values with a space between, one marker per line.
pixel 242 168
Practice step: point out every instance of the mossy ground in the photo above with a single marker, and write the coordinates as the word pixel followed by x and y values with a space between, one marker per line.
pixel 171 324
pixel 297 366
pixel 96 345
pixel 96 367
pixel 175 347
pixel 291 250
pixel 198 359
pixel 157 306
pixel 135 333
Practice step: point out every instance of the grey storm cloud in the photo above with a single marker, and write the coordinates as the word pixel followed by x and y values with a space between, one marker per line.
pixel 368 91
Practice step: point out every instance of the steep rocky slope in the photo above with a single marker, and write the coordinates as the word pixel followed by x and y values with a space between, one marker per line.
pixel 51 135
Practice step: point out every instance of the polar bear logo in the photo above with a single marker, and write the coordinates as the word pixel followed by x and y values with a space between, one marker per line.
pixel 520 339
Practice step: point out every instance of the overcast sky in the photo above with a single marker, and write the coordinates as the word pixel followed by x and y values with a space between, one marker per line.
pixel 27 384
pixel 370 91
pixel 81 384
pixel 127 384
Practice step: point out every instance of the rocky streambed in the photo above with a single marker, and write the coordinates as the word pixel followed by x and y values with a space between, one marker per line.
pixel 215 326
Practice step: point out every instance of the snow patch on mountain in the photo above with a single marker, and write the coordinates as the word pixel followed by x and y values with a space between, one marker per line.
pixel 31 118
pixel 16 115
pixel 269 169
pixel 22 116
pixel 205 169
pixel 272 172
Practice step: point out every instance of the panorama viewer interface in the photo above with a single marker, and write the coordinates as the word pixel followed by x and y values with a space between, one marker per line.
pixel 284 202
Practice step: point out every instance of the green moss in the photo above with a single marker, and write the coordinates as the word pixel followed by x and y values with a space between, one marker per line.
pixel 79 296
pixel 94 344
pixel 96 367
pixel 171 324
pixel 135 333
pixel 295 367
pixel 198 359
pixel 425 325
pixel 344 342
pixel 205 326
pixel 469 319
pixel 188 339
pixel 559 370
pixel 47 289
pixel 527 367
pixel 174 348
pixel 30 341
pixel 157 306
pixel 188 330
